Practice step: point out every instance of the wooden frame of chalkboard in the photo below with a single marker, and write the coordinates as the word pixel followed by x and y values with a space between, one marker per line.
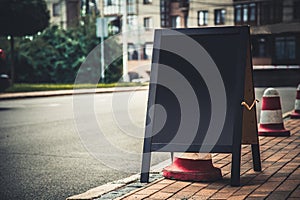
pixel 203 72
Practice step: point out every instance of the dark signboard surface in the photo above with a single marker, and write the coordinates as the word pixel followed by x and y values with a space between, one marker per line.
pixel 224 50
pixel 197 86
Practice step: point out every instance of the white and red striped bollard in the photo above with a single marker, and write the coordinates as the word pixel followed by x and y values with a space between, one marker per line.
pixel 271 122
pixel 296 113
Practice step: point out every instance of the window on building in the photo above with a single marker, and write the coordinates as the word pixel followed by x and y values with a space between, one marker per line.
pixel 148 23
pixel 131 50
pixel 202 17
pixel 285 48
pixel 296 11
pixel 238 13
pixel 131 6
pixel 220 16
pixel 163 21
pixel 271 12
pixel 108 2
pixel 56 9
pixel 147 1
pixel 175 22
pixel 262 52
pixel 148 47
pixel 252 12
pixel 114 25
pixel 261 46
pixel 164 13
pixel 186 21
pixel 112 7
pixel 245 14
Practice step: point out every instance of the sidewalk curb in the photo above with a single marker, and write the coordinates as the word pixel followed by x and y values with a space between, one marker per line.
pixel 109 187
pixel 134 191
pixel 21 95
pixel 103 189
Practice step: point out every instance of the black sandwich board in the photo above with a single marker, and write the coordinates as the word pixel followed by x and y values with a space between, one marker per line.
pixel 200 95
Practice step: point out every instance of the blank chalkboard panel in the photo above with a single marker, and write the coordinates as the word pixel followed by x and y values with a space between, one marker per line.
pixel 197 86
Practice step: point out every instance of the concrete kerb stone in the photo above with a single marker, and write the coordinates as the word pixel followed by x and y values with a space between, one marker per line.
pixel 21 95
pixel 135 191
pixel 112 186
pixel 96 192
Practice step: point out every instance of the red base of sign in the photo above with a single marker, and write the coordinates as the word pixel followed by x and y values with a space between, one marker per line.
pixel 192 170
pixel 273 130
pixel 295 115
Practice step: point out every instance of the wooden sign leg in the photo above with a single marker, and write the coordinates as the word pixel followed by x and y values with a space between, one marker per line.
pixel 146 161
pixel 236 167
pixel 145 167
pixel 256 157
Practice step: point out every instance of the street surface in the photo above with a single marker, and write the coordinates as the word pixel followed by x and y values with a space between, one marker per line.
pixel 46 143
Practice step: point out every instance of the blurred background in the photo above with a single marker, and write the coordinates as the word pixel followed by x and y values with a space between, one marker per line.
pixel 46 41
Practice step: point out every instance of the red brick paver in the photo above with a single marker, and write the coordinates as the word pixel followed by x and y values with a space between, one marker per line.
pixel 279 178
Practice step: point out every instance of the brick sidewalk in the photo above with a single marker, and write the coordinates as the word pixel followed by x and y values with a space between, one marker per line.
pixel 279 178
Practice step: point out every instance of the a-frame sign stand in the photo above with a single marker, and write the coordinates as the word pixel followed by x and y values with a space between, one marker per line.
pixel 249 126
pixel 241 122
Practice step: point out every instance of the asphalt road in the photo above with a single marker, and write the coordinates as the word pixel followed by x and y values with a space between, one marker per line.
pixel 55 147
pixel 43 157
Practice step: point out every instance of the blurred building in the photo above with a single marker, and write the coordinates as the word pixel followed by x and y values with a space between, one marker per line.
pixel 64 13
pixel 210 13
pixel 146 15
pixel 142 17
pixel 275 29
pixel 275 24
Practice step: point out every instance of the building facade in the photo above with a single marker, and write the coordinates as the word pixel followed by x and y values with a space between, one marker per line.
pixel 146 15
pixel 211 13
pixel 275 24
pixel 142 17
pixel 275 30
pixel 64 13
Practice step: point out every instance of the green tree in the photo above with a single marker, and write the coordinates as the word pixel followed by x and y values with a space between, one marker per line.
pixel 21 18
pixel 55 56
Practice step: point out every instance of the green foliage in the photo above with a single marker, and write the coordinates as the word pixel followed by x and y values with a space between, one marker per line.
pixel 114 72
pixel 55 55
pixel 20 18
